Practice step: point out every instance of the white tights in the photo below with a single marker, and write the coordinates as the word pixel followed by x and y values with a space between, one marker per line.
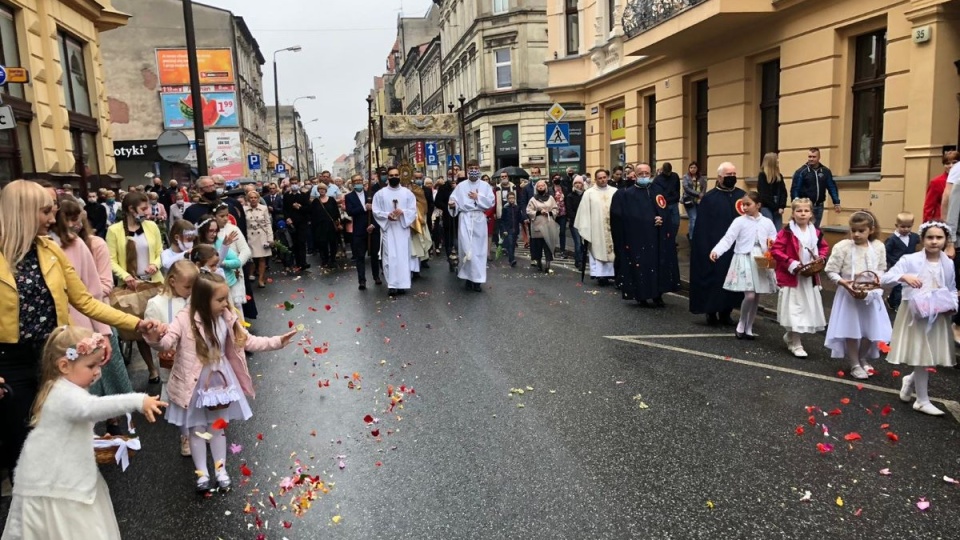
pixel 920 378
pixel 748 312
pixel 218 448
pixel 857 351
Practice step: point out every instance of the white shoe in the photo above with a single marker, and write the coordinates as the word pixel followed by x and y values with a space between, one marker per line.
pixel 799 352
pixel 868 368
pixel 906 389
pixel 858 372
pixel 927 408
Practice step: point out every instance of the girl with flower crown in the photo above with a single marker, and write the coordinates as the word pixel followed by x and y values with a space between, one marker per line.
pixel 58 491
pixel 921 333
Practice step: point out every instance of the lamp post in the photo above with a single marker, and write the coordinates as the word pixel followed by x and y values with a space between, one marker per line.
pixel 195 96
pixel 463 137
pixel 369 136
pixel 453 146
pixel 276 97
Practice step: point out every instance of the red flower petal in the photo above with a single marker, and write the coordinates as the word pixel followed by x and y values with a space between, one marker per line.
pixel 892 436
pixel 883 346
pixel 859 387
pixel 852 436
pixel 358 329
pixel 811 420
pixel 375 433
pixel 379 463
pixel 368 419
pixel 845 401
pixel 244 470
pixel 259 436
pixel 799 430
pixel 835 412
pixel 886 410
pixel 328 307
pixel 219 423
pixel 331 295
pixel 289 324
pixel 895 374
pixel 884 426
pixel 840 374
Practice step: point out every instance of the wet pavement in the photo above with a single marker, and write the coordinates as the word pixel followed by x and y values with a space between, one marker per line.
pixel 633 423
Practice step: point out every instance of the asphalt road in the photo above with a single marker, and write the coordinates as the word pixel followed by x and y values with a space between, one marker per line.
pixel 681 433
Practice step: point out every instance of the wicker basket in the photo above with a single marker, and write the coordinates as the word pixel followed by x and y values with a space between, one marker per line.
pixel 812 268
pixel 863 283
pixel 223 378
pixel 763 263
pixel 106 456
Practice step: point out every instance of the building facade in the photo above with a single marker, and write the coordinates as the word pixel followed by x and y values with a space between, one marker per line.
pixel 874 85
pixel 62 130
pixel 150 92
pixel 493 54
pixel 298 153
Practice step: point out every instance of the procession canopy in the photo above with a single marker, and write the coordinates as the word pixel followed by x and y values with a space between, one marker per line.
pixel 396 128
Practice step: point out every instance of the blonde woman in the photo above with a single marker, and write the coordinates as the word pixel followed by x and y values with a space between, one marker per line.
pixel 260 234
pixel 38 285
pixel 544 231
pixel 772 189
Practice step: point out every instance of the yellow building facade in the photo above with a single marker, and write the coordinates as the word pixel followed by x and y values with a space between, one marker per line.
pixel 875 84
pixel 62 119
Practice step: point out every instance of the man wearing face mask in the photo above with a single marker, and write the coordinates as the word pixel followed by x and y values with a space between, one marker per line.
pixel 593 222
pixel 96 215
pixel 469 201
pixel 395 209
pixel 177 209
pixel 366 233
pixel 296 209
pixel 211 189
pixel 524 199
pixel 717 210
pixel 646 249
pixel 112 207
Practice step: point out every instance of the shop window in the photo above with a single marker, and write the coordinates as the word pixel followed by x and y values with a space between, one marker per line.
pixel 651 106
pixel 502 67
pixel 868 87
pixel 770 107
pixel 700 125
pixel 572 17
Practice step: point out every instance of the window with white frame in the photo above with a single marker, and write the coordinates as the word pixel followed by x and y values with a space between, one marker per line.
pixel 501 6
pixel 502 68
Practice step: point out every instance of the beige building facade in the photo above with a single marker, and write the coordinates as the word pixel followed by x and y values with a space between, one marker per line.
pixel 873 84
pixel 493 55
pixel 62 120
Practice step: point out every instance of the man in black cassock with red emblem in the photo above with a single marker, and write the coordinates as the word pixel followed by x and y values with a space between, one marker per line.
pixel 717 210
pixel 646 251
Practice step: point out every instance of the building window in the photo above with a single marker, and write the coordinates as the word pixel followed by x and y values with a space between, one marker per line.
pixel 502 66
pixel 700 127
pixel 611 14
pixel 868 82
pixel 618 137
pixel 651 106
pixel 501 6
pixel 16 157
pixel 75 85
pixel 572 17
pixel 769 107
pixel 9 51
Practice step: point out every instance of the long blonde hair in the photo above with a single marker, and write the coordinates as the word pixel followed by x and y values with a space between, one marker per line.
pixel 203 289
pixel 182 269
pixel 20 204
pixel 771 168
pixel 62 338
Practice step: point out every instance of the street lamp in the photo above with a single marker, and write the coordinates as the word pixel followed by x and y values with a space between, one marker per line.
pixel 276 97
pixel 463 137
pixel 369 136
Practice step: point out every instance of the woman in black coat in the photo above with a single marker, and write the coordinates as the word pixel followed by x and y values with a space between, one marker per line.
pixel 772 189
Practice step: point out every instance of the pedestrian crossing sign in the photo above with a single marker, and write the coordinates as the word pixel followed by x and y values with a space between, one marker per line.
pixel 558 135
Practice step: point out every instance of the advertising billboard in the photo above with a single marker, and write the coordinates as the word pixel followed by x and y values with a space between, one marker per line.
pixel 215 66
pixel 219 110
pixel 226 154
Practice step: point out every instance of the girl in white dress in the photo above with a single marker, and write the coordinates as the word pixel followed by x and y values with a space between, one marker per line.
pixel 799 307
pixel 182 236
pixel 749 235
pixel 210 378
pixel 58 491
pixel 921 334
pixel 857 325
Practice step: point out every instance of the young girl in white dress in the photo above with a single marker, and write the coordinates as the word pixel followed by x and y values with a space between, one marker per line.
pixel 182 236
pixel 922 336
pixel 856 325
pixel 58 491
pixel 210 375
pixel 749 235
pixel 799 307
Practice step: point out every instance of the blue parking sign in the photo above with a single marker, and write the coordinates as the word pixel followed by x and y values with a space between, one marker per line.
pixel 253 162
pixel 430 149
pixel 281 168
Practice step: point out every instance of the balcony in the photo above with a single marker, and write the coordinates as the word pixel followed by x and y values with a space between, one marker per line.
pixel 656 27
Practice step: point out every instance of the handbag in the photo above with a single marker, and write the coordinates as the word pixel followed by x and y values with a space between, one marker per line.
pixel 215 398
pixel 133 302
pixel 336 223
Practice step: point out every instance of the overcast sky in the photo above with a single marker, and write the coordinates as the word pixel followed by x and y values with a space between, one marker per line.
pixel 345 44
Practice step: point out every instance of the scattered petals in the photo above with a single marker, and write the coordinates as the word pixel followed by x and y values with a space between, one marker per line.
pixel 949 480
pixel 923 504
pixel 885 472
pixel 836 412
pixel 799 430
pixel 839 501
pixel 824 448
pixel 886 410
pixel 368 419
pixel 235 449
pixel 883 346
pixel 852 436
pixel 244 470
pixel 892 436
pixel 710 505
pixel 205 436
pixel 335 519
pixel 806 496
pixel 894 374
pixel 219 423
pixel 845 401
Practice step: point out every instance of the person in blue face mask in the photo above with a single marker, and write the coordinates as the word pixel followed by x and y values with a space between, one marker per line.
pixel 645 246
pixel 365 237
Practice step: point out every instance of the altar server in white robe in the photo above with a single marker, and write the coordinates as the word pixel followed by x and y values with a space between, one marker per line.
pixel 470 200
pixel 593 224
pixel 395 209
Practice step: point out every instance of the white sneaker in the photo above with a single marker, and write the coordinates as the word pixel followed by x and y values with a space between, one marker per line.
pixel 799 352
pixel 868 368
pixel 858 372
pixel 927 408
pixel 906 389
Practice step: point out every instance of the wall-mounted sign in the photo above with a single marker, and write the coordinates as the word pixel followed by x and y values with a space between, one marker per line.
pixel 618 124
pixel 507 138
pixel 226 154
pixel 215 66
pixel 219 109
pixel 136 150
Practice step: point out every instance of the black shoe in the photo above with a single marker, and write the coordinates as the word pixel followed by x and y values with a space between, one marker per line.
pixel 603 282
pixel 749 337
pixel 468 285
pixel 378 282
pixel 513 263
pixel 658 301
pixel 424 264
pixel 204 486
pixel 363 286
pixel 477 288
pixel 726 320
pixel 740 335
pixel 391 292
pixel 415 275
pixel 712 319
pixel 644 304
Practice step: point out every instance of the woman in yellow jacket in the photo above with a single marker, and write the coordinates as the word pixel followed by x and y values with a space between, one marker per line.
pixel 37 287
pixel 135 245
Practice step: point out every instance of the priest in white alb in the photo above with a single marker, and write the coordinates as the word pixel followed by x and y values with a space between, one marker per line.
pixel 395 209
pixel 593 224
pixel 470 200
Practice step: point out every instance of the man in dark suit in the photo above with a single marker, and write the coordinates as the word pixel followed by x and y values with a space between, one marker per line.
pixel 296 210
pixel 96 215
pixel 366 232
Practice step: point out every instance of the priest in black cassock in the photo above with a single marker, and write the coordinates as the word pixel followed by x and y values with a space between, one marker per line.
pixel 717 210
pixel 646 250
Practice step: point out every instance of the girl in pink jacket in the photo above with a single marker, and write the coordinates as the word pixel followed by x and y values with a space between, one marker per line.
pixel 210 379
